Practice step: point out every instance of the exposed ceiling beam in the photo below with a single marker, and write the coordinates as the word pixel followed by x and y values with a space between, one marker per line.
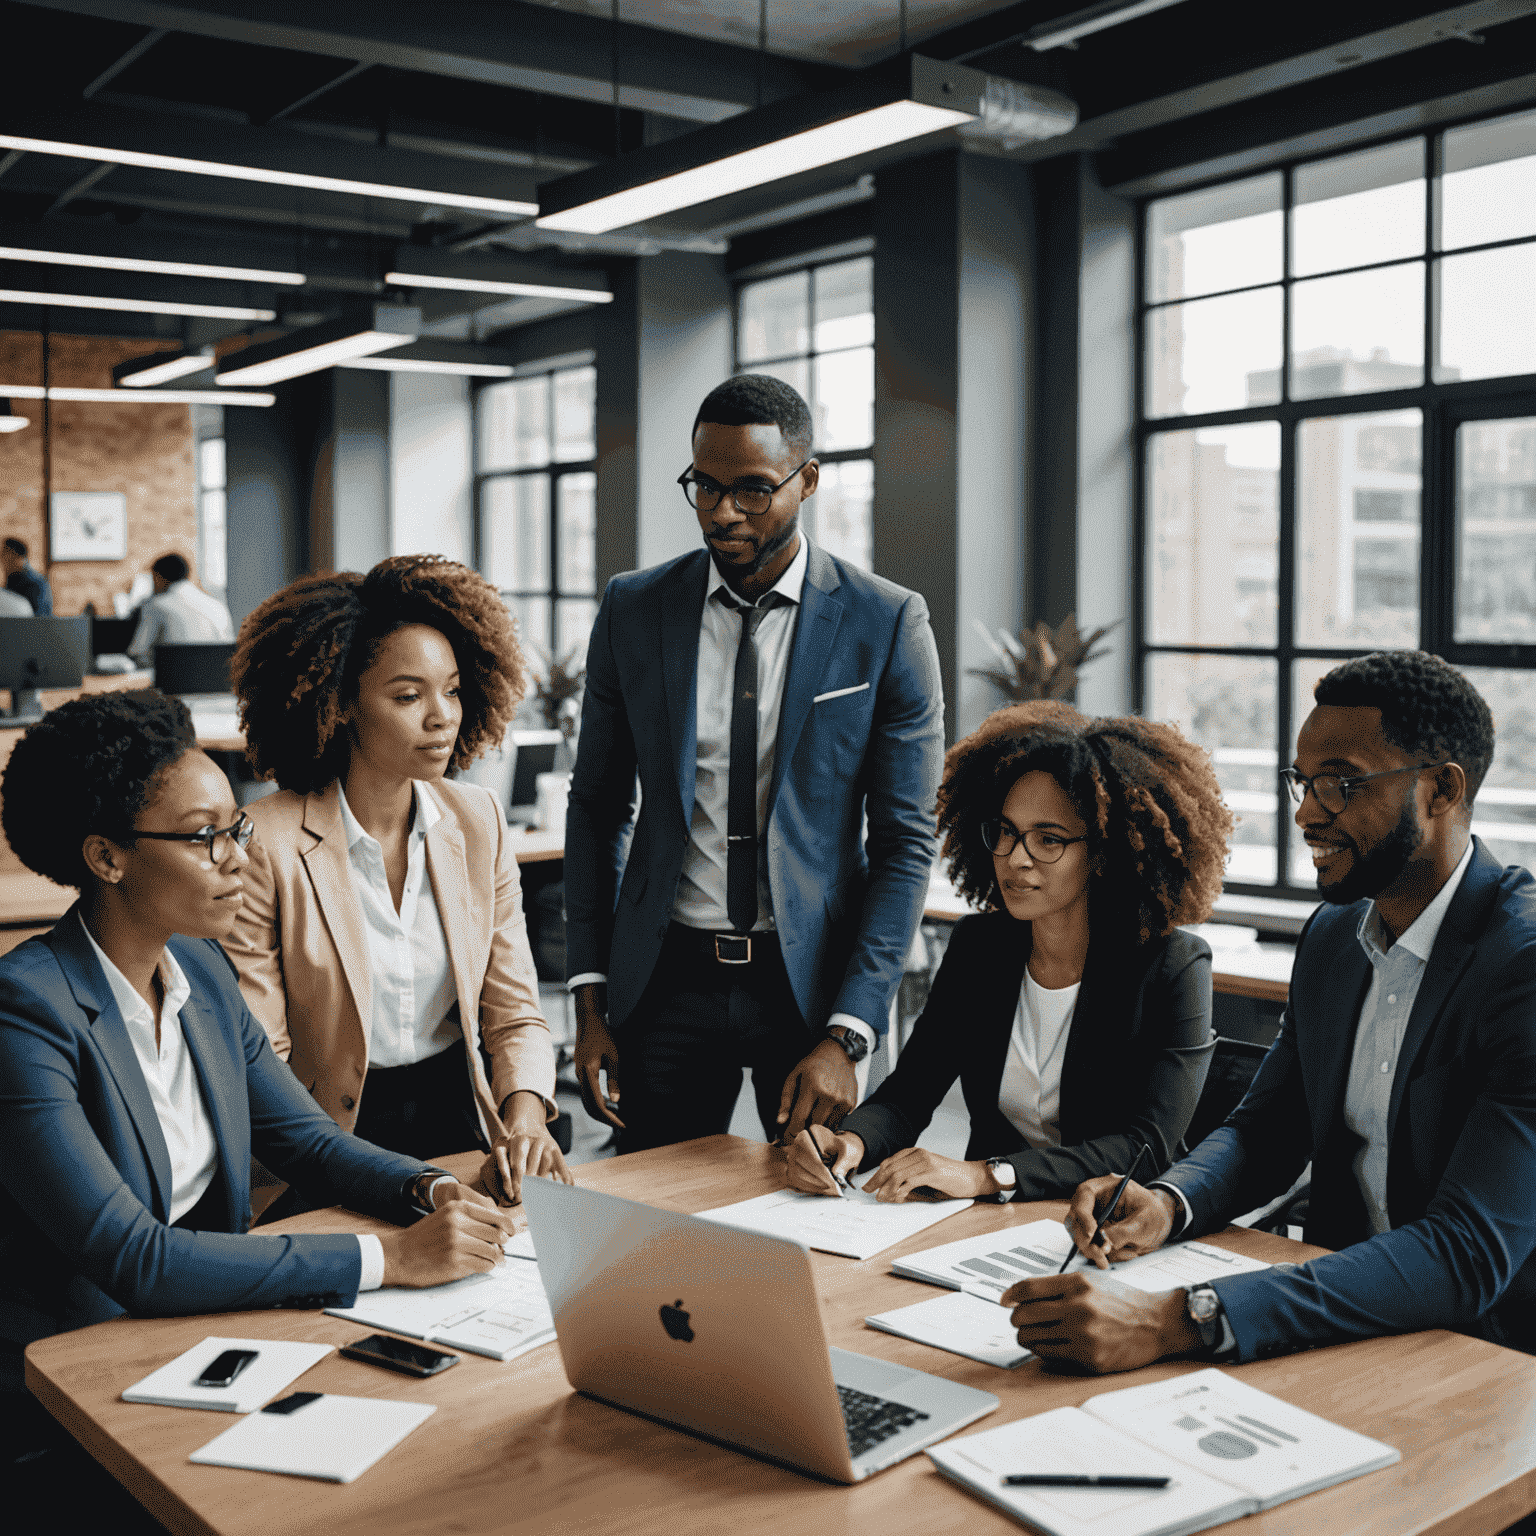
pixel 508 42
pixel 123 60
pixel 79 188
pixel 9 159
pixel 318 92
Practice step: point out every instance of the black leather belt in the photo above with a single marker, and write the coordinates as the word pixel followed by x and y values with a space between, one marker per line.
pixel 725 948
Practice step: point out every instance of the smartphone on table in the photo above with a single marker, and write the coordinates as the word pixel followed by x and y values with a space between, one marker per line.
pixel 399 1355
pixel 222 1369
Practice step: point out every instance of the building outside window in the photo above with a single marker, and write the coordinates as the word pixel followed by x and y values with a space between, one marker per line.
pixel 815 329
pixel 536 503
pixel 1338 439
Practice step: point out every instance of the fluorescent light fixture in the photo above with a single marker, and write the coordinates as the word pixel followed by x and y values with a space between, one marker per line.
pixel 138 396
pixel 425 195
pixel 9 420
pixel 490 285
pixel 388 364
pixel 134 264
pixel 1065 30
pixel 135 306
pixel 375 328
pixel 161 368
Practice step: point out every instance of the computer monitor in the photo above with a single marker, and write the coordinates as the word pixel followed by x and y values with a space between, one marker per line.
pixel 40 653
pixel 112 637
pixel 535 755
pixel 195 668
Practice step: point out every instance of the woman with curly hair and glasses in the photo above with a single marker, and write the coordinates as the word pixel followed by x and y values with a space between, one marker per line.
pixel 381 941
pixel 1072 1009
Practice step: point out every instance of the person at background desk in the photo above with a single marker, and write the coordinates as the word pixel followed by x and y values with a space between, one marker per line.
pixel 1074 1012
pixel 1405 1069
pixel 22 579
pixel 381 942
pixel 135 1083
pixel 771 698
pixel 179 612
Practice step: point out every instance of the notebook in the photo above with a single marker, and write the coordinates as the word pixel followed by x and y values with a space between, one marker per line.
pixel 276 1365
pixel 333 1438
pixel 1230 1449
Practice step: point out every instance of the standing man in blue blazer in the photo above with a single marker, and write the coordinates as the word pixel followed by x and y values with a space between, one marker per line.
pixel 784 713
pixel 1405 1069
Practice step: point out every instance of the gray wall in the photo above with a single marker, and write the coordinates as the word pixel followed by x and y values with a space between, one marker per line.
pixel 431 466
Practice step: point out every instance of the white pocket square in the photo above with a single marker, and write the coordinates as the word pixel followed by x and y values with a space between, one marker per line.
pixel 837 693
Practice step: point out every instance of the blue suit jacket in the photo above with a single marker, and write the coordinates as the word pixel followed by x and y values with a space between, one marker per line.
pixel 1461 1168
pixel 85 1177
pixel 845 900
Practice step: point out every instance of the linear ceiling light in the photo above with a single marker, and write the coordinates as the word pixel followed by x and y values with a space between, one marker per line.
pixel 426 195
pixel 134 264
pixel 137 396
pixel 1065 30
pixel 490 285
pixel 388 364
pixel 9 420
pixel 314 347
pixel 161 368
pixel 134 306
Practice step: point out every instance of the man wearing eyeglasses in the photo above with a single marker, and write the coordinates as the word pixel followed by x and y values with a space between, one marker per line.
pixel 784 713
pixel 1404 1071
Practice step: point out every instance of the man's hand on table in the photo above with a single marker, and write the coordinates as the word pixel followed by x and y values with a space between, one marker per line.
pixel 820 1089
pixel 463 1236
pixel 1141 1225
pixel 905 1175
pixel 1099 1324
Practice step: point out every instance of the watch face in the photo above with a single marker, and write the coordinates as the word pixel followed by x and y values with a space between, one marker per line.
pixel 1203 1306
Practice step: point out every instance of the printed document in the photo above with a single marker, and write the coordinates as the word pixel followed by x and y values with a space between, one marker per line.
pixel 962 1324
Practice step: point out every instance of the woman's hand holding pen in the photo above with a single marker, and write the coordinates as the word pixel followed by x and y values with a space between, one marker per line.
pixel 1141 1224
pixel 818 1158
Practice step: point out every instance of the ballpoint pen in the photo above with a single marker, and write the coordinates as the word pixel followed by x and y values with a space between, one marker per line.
pixel 1081 1480
pixel 828 1159
pixel 1108 1215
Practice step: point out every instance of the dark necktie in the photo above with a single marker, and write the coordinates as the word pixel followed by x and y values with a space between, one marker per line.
pixel 741 805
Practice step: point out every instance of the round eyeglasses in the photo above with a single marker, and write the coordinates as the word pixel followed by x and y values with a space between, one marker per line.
pixel 211 837
pixel 1332 790
pixel 752 497
pixel 1040 843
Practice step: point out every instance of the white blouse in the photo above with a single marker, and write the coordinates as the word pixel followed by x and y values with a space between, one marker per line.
pixel 1030 1092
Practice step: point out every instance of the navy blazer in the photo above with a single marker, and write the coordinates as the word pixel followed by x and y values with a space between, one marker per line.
pixel 1137 1053
pixel 85 1177
pixel 1461 1169
pixel 846 899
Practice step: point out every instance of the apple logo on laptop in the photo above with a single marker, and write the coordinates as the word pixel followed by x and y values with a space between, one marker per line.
pixel 675 1321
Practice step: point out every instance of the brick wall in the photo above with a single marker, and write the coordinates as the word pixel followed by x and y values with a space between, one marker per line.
pixel 144 451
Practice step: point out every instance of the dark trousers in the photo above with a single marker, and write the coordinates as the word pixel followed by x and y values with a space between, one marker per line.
pixel 698 1023
pixel 425 1110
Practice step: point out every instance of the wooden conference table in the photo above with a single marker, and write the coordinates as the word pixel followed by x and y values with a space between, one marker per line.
pixel 512 1448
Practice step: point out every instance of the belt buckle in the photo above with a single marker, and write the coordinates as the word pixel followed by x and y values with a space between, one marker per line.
pixel 742 957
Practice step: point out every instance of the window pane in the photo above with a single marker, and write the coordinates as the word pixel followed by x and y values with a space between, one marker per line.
pixel 845 305
pixel 1496 531
pixel 1504 812
pixel 213 567
pixel 1227 705
pixel 514 424
pixel 1304 678
pixel 775 317
pixel 845 399
pixel 1487 320
pixel 1223 237
pixel 1213 535
pixel 516 532
pixel 837 517
pixel 576 414
pixel 1357 530
pixel 797 375
pixel 576 507
pixel 532 617
pixel 1488 187
pixel 573 625
pixel 1215 354
pixel 210 455
pixel 1358 209
pixel 1357 333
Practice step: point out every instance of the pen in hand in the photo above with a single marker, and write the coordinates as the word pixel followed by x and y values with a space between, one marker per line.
pixel 1114 1204
pixel 829 1161
pixel 1080 1480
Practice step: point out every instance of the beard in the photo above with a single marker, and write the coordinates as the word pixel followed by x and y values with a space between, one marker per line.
pixel 762 553
pixel 1371 873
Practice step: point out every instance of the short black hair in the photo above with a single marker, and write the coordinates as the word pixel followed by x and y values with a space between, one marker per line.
pixel 1428 708
pixel 760 400
pixel 17 546
pixel 90 765
pixel 172 567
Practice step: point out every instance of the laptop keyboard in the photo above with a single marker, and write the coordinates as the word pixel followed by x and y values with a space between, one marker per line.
pixel 869 1419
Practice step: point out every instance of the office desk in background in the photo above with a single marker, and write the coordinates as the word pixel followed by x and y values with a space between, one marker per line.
pixel 512 1448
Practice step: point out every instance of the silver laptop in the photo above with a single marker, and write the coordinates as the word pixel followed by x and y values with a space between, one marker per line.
pixel 719 1331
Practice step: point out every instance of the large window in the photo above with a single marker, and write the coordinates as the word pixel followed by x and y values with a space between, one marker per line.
pixel 536 501
pixel 815 329
pixel 1338 436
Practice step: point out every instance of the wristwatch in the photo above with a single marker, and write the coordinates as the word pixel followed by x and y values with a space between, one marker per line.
pixel 420 1191
pixel 851 1041
pixel 1204 1308
pixel 1007 1177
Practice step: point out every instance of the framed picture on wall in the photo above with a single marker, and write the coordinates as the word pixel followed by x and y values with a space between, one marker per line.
pixel 88 525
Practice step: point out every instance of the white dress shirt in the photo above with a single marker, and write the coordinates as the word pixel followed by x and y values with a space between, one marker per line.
pixel 701 897
pixel 1029 1094
pixel 181 615
pixel 414 1011
pixel 171 1077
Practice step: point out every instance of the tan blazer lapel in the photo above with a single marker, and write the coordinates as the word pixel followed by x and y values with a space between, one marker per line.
pixel 331 875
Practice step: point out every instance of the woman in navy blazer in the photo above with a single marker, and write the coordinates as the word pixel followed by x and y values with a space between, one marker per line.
pixel 1074 1012
pixel 126 1190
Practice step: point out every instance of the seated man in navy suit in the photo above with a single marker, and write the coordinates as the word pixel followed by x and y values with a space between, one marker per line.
pixel 1405 1070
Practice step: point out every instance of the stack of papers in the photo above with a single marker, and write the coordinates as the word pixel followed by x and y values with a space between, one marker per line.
pixel 857 1227
pixel 961 1323
pixel 277 1363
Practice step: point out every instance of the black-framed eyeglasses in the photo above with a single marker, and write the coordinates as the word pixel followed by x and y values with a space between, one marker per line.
pixel 241 832
pixel 1040 843
pixel 752 497
pixel 1332 790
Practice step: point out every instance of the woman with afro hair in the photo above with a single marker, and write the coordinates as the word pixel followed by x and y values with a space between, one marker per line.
pixel 1075 1013
pixel 381 942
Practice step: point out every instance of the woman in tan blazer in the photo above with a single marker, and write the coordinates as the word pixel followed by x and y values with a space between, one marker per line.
pixel 381 942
